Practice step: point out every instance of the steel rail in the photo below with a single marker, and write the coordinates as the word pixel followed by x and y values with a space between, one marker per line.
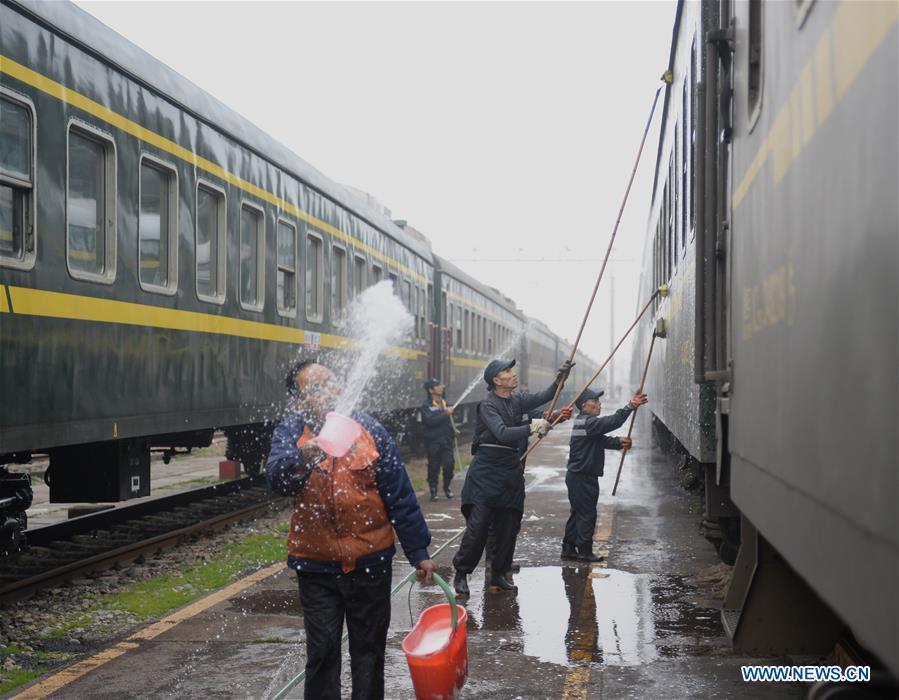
pixel 24 587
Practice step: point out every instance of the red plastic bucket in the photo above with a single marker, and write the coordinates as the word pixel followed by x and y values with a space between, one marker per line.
pixel 437 650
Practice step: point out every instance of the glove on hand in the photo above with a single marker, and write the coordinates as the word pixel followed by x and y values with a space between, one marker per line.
pixel 564 371
pixel 540 427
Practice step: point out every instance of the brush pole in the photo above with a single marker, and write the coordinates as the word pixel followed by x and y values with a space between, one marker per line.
pixel 605 260
pixel 630 428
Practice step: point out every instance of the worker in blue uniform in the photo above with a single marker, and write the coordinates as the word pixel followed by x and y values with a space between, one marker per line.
pixel 493 492
pixel 439 435
pixel 586 459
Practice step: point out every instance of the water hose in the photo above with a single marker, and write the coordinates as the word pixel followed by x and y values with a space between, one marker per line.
pixel 296 680
pixel 666 78
pixel 634 416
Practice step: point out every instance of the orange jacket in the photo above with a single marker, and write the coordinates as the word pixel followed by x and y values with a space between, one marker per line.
pixel 340 515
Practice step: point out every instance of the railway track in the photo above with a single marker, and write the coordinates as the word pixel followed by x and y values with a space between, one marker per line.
pixel 101 540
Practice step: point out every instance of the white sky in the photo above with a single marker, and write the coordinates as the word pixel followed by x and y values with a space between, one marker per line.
pixel 505 132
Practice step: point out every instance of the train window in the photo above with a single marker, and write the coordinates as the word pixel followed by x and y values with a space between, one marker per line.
pixel 395 282
pixel 466 331
pixel 252 257
pixel 684 190
pixel 457 320
pixel 422 313
pixel 663 250
pixel 17 182
pixel 754 61
pixel 287 268
pixel 359 270
pixel 445 321
pixel 413 308
pixel 157 226
pixel 476 320
pixel 338 282
pixel 694 189
pixel 210 243
pixel 91 204
pixel 376 274
pixel 672 212
pixel 315 269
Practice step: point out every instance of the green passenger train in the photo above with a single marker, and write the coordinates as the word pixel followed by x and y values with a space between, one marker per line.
pixel 162 261
pixel 774 224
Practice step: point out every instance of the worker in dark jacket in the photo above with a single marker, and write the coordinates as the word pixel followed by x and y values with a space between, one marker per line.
pixel 437 417
pixel 341 539
pixel 494 485
pixel 586 459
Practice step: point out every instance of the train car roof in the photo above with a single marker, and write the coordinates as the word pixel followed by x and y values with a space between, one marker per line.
pixel 538 325
pixel 672 51
pixel 491 293
pixel 95 38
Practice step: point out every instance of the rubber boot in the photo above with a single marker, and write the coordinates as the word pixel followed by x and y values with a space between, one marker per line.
pixel 433 493
pixel 500 582
pixel 569 552
pixel 590 557
pixel 460 583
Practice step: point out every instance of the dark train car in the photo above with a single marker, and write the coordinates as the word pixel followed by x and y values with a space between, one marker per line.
pixel 161 260
pixel 475 324
pixel 541 357
pixel 774 223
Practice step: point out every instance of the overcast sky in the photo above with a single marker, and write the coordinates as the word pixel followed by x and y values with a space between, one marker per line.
pixel 505 132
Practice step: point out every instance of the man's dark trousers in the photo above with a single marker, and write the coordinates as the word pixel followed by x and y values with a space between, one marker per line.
pixel 364 599
pixel 440 456
pixel 583 495
pixel 478 517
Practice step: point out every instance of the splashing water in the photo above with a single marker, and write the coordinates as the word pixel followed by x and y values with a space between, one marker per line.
pixel 375 321
pixel 478 379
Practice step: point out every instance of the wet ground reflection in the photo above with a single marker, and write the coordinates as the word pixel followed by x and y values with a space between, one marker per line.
pixel 572 615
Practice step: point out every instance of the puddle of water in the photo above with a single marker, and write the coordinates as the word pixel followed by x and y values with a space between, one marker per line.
pixel 574 615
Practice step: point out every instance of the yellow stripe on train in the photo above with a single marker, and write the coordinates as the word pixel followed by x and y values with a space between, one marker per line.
pixel 39 302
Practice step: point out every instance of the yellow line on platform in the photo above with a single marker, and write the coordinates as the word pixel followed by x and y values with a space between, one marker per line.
pixel 72 673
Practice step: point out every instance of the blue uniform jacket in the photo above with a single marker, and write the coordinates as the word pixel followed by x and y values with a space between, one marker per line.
pixel 285 476
pixel 589 442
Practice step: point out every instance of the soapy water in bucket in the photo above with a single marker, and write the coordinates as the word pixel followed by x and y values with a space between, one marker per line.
pixel 432 640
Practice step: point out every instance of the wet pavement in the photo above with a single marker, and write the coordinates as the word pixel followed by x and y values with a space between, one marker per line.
pixel 642 624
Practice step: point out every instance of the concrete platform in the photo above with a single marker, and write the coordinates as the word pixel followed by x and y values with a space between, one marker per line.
pixel 635 626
